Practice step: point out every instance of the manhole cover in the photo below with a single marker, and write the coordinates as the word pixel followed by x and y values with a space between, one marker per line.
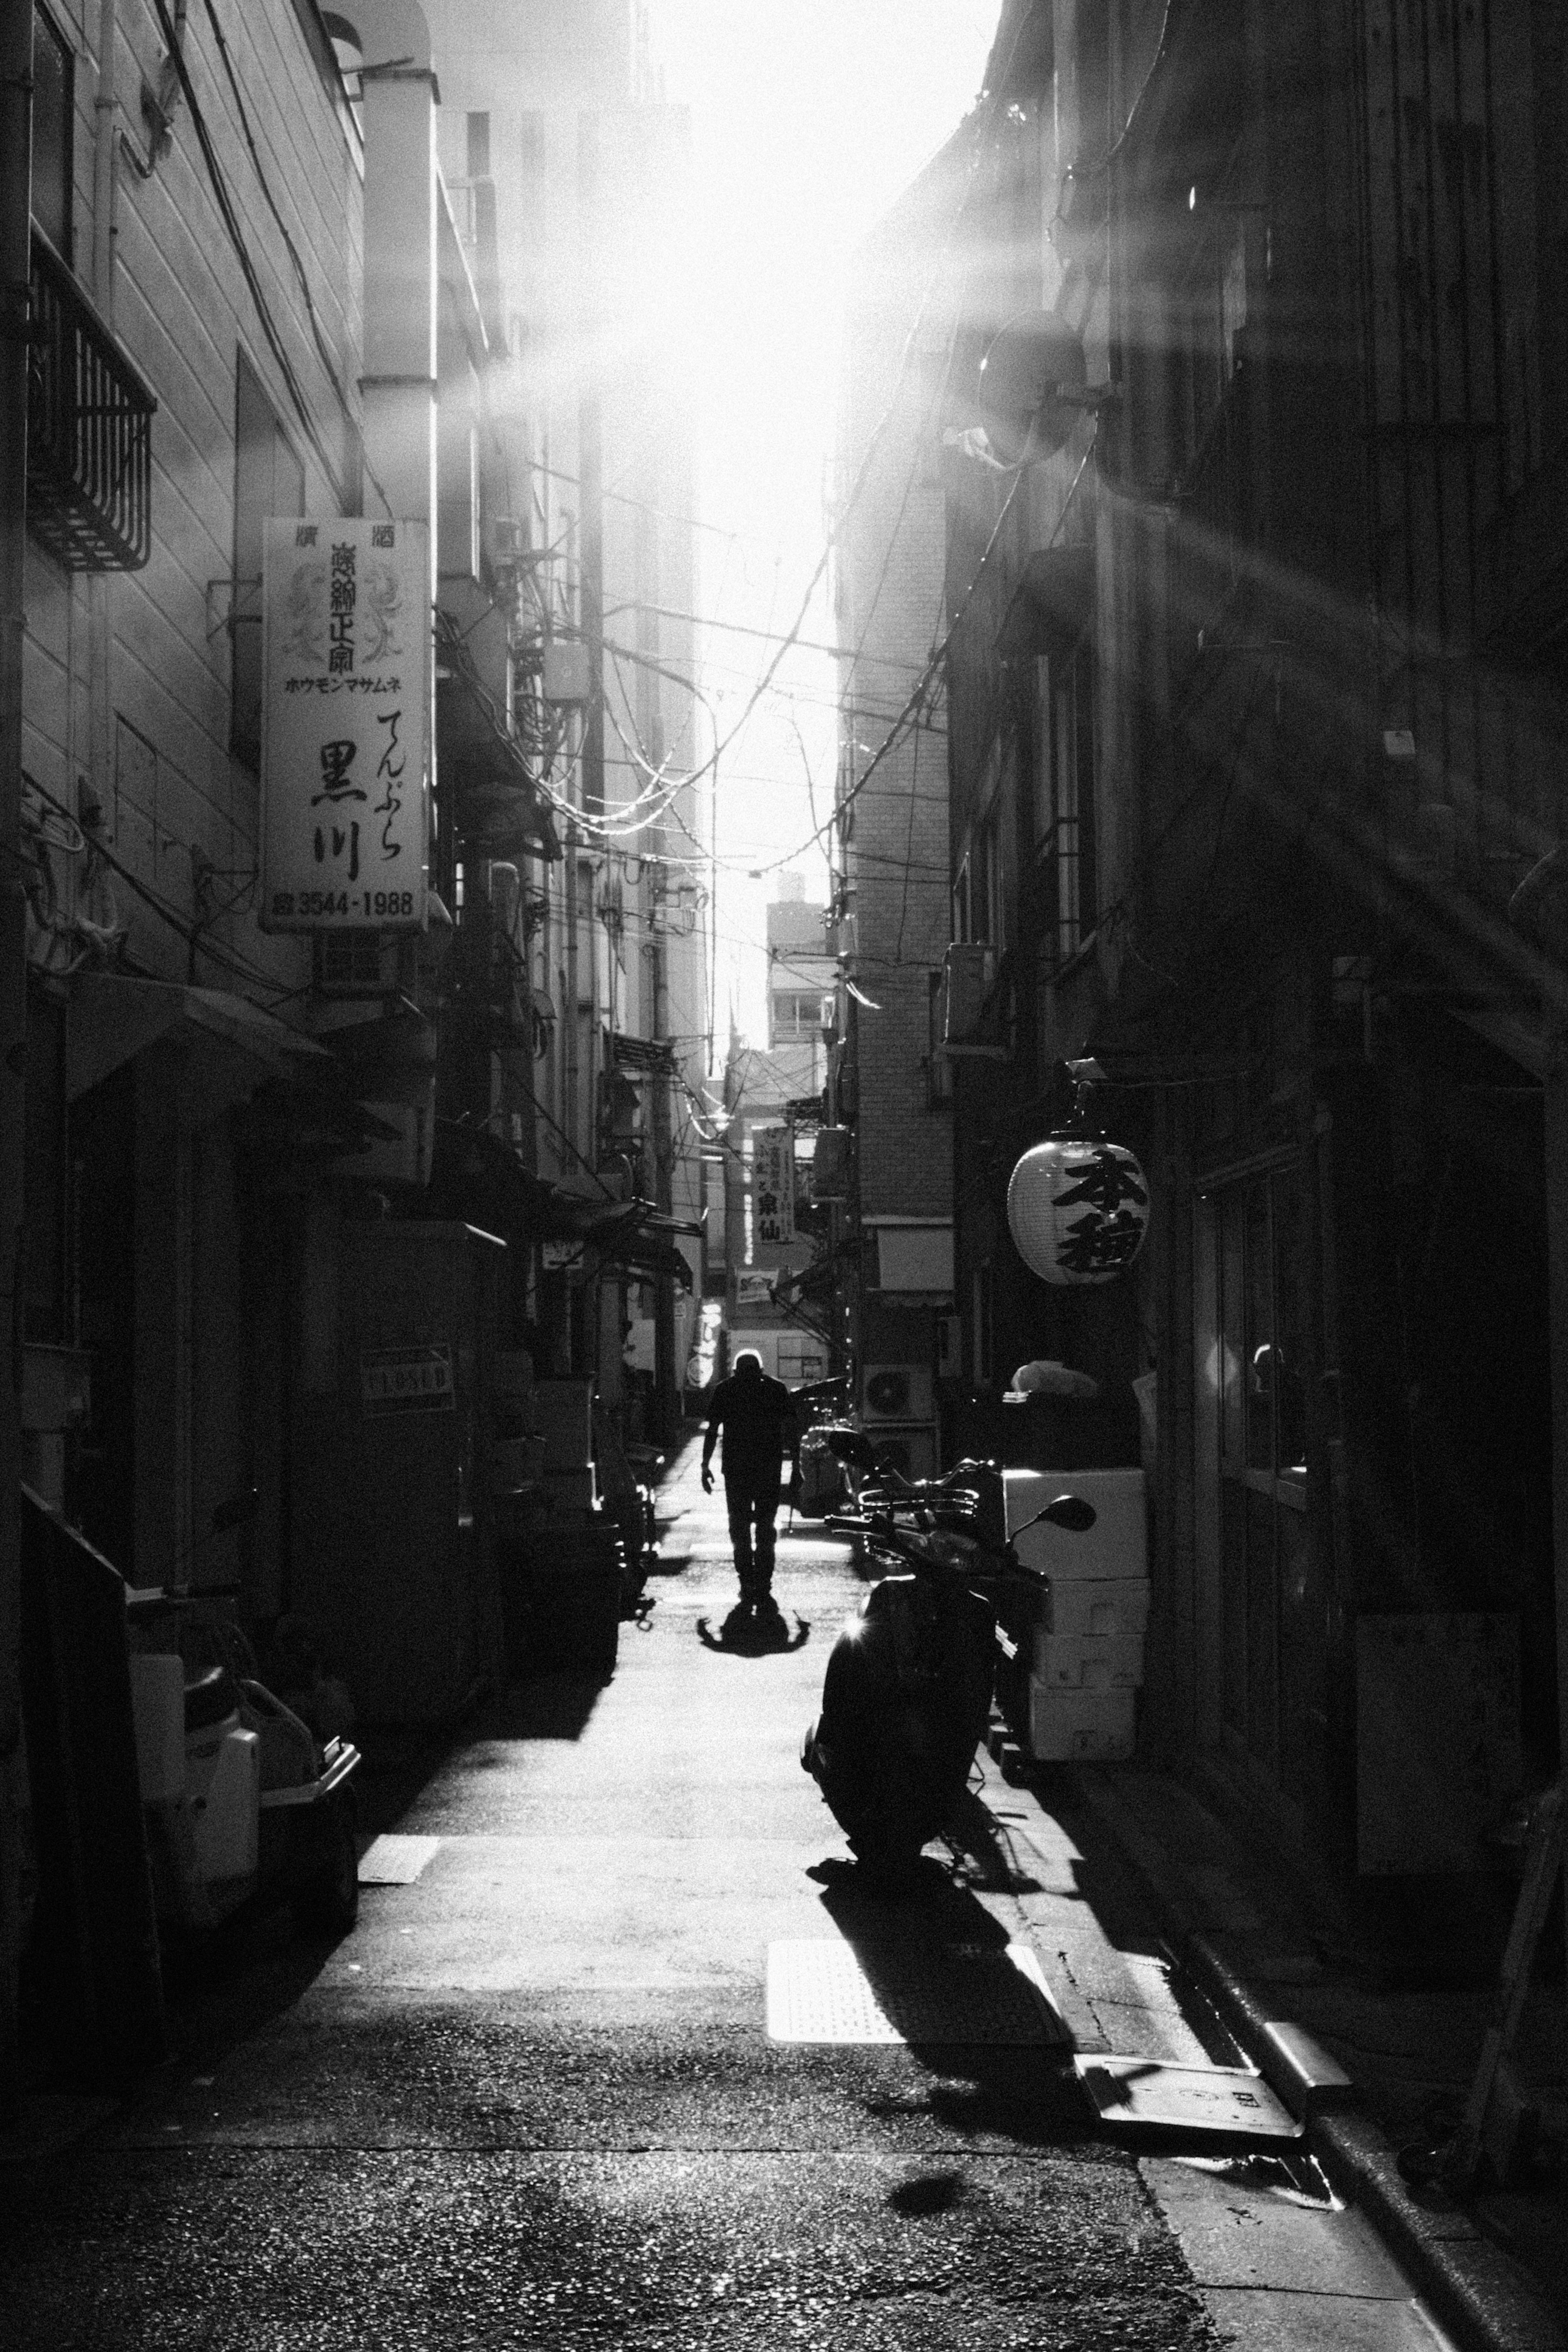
pixel 1146 2091
pixel 392 1861
pixel 829 1990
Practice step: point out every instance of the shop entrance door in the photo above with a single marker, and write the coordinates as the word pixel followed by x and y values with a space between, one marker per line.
pixel 1259 1619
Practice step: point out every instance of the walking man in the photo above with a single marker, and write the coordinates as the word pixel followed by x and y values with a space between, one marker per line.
pixel 758 1420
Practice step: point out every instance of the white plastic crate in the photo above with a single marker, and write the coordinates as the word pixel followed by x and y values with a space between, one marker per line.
pixel 1116 1546
pixel 1114 1606
pixel 1088 1662
pixel 1078 1726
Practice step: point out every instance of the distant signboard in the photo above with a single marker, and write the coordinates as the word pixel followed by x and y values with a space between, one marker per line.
pixel 773 1185
pixel 345 736
pixel 407 1379
pixel 754 1290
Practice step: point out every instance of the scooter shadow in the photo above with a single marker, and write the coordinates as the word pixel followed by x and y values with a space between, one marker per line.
pixel 745 1636
pixel 922 1930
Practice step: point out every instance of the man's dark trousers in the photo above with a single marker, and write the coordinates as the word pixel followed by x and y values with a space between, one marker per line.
pixel 747 1501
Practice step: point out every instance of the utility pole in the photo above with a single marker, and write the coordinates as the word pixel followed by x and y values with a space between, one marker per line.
pixel 15 271
pixel 665 1368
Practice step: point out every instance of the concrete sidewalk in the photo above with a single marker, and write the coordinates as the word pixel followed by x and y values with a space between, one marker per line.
pixel 1496 2267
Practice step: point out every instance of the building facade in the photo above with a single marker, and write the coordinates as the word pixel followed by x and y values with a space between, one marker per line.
pixel 891 1087
pixel 1256 706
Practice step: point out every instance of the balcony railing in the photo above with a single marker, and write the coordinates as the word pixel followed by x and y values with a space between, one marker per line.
pixel 89 442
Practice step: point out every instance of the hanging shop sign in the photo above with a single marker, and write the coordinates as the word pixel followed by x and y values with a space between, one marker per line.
pixel 345 724
pixel 1078 1208
pixel 773 1185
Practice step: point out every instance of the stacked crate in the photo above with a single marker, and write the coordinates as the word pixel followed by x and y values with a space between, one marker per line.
pixel 572 1586
pixel 1087 1640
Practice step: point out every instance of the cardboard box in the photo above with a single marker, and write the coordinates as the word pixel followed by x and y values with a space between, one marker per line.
pixel 570 1490
pixel 1088 1662
pixel 512 1372
pixel 516 1462
pixel 1116 1546
pixel 563 1416
pixel 1079 1726
pixel 1115 1605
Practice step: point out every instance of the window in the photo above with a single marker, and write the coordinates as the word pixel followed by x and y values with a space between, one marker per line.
pixel 797 1012
pixel 269 480
pixel 1064 797
pixel 54 77
pixel 979 893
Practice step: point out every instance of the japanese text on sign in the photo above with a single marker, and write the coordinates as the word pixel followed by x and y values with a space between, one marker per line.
pixel 773 1185
pixel 345 724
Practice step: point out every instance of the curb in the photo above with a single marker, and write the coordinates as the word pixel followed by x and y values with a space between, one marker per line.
pixel 1478 2293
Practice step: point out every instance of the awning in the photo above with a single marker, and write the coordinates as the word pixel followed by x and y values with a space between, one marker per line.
pixel 113 1018
pixel 648 1255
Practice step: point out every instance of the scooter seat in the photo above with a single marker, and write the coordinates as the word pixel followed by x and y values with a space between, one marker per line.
pixel 211 1697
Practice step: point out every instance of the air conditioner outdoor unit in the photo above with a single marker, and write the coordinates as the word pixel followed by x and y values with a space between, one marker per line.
pixel 910 1449
pixel 895 1392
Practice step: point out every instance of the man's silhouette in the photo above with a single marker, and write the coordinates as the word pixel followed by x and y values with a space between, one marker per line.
pixel 758 1420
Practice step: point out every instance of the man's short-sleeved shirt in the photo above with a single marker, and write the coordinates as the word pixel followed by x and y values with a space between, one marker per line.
pixel 756 1417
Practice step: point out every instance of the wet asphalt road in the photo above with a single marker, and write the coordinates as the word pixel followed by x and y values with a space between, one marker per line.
pixel 532 2100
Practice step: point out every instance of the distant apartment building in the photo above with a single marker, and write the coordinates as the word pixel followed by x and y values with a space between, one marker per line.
pixel 569 173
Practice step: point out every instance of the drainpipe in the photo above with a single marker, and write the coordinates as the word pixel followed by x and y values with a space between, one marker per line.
pixel 103 109
pixel 16 270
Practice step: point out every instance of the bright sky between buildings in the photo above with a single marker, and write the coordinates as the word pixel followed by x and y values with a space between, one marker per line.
pixel 808 117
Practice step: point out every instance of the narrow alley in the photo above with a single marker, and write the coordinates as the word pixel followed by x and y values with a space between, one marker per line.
pixel 538 2096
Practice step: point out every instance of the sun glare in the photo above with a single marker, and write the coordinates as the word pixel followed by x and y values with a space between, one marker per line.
pixel 808 118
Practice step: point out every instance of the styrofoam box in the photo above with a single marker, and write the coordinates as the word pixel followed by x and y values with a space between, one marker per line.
pixel 1115 1605
pixel 1078 1726
pixel 1116 1545
pixel 1088 1662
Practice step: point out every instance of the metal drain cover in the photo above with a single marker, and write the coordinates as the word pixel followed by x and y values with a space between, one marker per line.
pixel 829 1990
pixel 1146 2091
pixel 395 1860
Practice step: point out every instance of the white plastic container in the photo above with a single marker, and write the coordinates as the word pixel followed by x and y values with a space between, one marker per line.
pixel 1116 1546
pixel 1079 1726
pixel 229 1810
pixel 1115 1606
pixel 158 1710
pixel 1088 1662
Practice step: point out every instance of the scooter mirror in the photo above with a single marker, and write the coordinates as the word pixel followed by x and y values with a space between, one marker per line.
pixel 1069 1511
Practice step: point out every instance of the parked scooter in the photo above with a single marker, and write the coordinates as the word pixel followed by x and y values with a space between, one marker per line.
pixel 242 1803
pixel 907 1694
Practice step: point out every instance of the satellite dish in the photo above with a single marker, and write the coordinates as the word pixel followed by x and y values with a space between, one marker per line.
pixel 1033 359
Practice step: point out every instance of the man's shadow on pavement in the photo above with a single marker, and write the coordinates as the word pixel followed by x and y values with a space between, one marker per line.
pixel 745 1636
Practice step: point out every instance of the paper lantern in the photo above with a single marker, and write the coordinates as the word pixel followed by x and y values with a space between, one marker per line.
pixel 1078 1208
